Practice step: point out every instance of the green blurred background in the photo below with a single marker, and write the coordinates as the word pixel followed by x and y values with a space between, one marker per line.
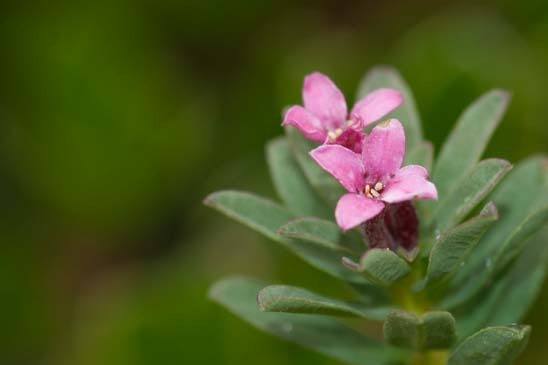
pixel 117 118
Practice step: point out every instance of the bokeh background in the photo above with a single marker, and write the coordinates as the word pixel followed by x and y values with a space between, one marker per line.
pixel 118 117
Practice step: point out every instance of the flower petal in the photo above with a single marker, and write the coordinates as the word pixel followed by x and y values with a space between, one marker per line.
pixel 309 125
pixel 383 151
pixel 345 165
pixel 377 104
pixel 325 100
pixel 354 209
pixel 413 170
pixel 409 183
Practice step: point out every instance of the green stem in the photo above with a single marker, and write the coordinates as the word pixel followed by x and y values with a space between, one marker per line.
pixel 430 358
pixel 417 303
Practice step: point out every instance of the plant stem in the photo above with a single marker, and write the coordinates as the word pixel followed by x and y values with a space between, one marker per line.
pixel 417 303
pixel 430 358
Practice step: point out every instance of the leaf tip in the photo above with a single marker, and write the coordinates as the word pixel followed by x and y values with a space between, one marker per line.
pixel 351 264
pixel 210 199
pixel 490 210
pixel 260 300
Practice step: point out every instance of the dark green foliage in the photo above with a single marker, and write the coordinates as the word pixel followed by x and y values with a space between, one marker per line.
pixel 434 330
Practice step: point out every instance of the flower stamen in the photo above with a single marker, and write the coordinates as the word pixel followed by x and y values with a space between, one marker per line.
pixel 373 192
pixel 367 191
pixel 333 134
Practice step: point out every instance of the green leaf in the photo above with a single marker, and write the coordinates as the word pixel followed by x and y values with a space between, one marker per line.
pixel 326 186
pixel 455 245
pixel 260 214
pixel 519 286
pixel 491 346
pixel 265 217
pixel 422 154
pixel 290 299
pixel 456 205
pixel 402 329
pixel 466 143
pixel 435 330
pixel 318 333
pixel 513 246
pixel 507 299
pixel 521 194
pixel 438 330
pixel 291 184
pixel 382 266
pixel 324 233
pixel 384 76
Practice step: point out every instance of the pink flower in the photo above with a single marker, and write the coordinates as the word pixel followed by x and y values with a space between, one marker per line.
pixel 324 117
pixel 374 176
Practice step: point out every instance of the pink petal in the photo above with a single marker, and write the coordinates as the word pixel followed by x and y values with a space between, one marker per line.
pixel 413 170
pixel 377 104
pixel 324 100
pixel 345 165
pixel 383 151
pixel 409 183
pixel 354 209
pixel 309 125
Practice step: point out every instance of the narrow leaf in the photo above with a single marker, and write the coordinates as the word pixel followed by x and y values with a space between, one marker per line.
pixel 289 299
pixel 491 346
pixel 519 286
pixel 324 233
pixel 326 186
pixel 383 266
pixel 466 143
pixel 453 207
pixel 507 299
pixel 513 246
pixel 291 184
pixel 521 194
pixel 454 246
pixel 421 154
pixel 385 76
pixel 318 333
pixel 260 214
pixel 265 217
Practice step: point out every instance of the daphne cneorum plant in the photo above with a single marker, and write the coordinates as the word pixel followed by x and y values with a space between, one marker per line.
pixel 449 265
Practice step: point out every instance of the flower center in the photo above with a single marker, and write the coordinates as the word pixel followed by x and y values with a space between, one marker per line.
pixel 334 133
pixel 373 192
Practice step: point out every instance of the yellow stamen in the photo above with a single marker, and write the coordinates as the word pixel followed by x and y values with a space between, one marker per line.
pixel 332 136
pixel 379 186
pixel 375 193
pixel 338 132
pixel 349 123
pixel 367 190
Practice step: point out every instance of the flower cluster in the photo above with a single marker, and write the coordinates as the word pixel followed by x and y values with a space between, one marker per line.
pixel 363 151
pixel 368 166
